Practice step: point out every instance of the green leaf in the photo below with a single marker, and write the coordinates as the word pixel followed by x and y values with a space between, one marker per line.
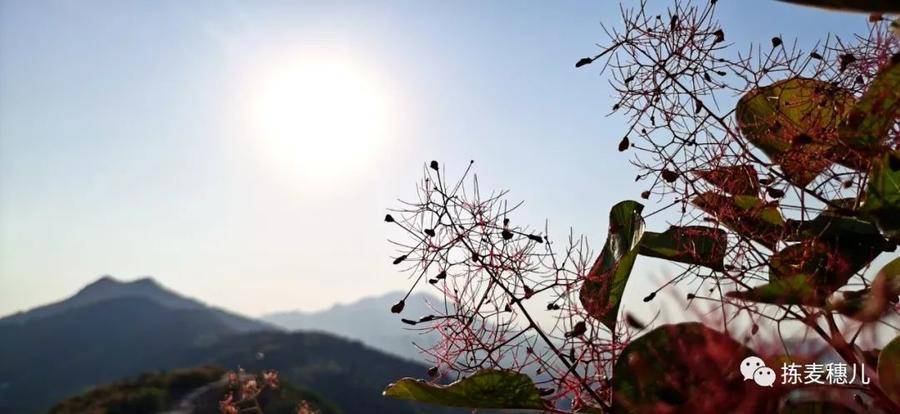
pixel 889 370
pixel 698 245
pixel 800 258
pixel 483 389
pixel 890 275
pixel 882 201
pixel 830 263
pixel 673 368
pixel 832 226
pixel 747 215
pixel 845 244
pixel 807 274
pixel 883 6
pixel 876 112
pixel 867 305
pixel 794 122
pixel 792 290
pixel 601 293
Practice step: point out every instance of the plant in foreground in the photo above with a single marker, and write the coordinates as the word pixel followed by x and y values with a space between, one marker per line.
pixel 245 389
pixel 783 201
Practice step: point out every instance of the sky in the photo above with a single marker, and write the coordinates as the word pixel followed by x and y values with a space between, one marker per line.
pixel 150 138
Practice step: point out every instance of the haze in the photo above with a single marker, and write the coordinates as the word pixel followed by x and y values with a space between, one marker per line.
pixel 244 152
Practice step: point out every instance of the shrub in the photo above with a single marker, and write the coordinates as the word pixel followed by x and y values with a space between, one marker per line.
pixel 782 200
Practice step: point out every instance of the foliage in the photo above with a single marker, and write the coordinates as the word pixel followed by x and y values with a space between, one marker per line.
pixel 686 365
pixel 889 369
pixel 123 337
pixel 148 393
pixel 883 194
pixel 484 389
pixel 244 391
pixel 158 392
pixel 856 5
pixel 601 293
pixel 786 198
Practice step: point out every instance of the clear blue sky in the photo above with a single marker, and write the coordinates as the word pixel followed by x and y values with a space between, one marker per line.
pixel 126 146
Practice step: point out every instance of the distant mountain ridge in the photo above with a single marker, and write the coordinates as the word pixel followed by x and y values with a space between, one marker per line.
pixel 111 330
pixel 107 288
pixel 370 321
pixel 46 359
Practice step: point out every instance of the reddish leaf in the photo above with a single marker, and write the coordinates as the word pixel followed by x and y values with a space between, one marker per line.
pixel 733 179
pixel 686 368
pixel 747 215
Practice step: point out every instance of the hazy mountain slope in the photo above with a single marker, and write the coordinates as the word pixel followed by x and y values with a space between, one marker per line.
pixel 348 374
pixel 107 288
pixel 71 349
pixel 368 320
pixel 182 391
pixel 49 358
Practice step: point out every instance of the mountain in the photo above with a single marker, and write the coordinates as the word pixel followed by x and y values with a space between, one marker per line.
pixel 45 359
pixel 107 288
pixel 112 330
pixel 346 373
pixel 370 321
pixel 182 391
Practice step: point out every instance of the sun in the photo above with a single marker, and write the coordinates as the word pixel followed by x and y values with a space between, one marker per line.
pixel 321 120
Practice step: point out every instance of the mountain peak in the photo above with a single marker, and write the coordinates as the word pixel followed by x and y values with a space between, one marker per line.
pixel 369 320
pixel 108 286
pixel 104 282
pixel 105 288
pixel 107 279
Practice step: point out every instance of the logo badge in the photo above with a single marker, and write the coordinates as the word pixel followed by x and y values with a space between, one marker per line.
pixel 753 368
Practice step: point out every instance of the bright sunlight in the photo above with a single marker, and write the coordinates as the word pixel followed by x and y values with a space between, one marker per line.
pixel 320 120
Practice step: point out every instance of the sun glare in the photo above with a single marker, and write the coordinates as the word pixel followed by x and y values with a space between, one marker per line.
pixel 321 120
